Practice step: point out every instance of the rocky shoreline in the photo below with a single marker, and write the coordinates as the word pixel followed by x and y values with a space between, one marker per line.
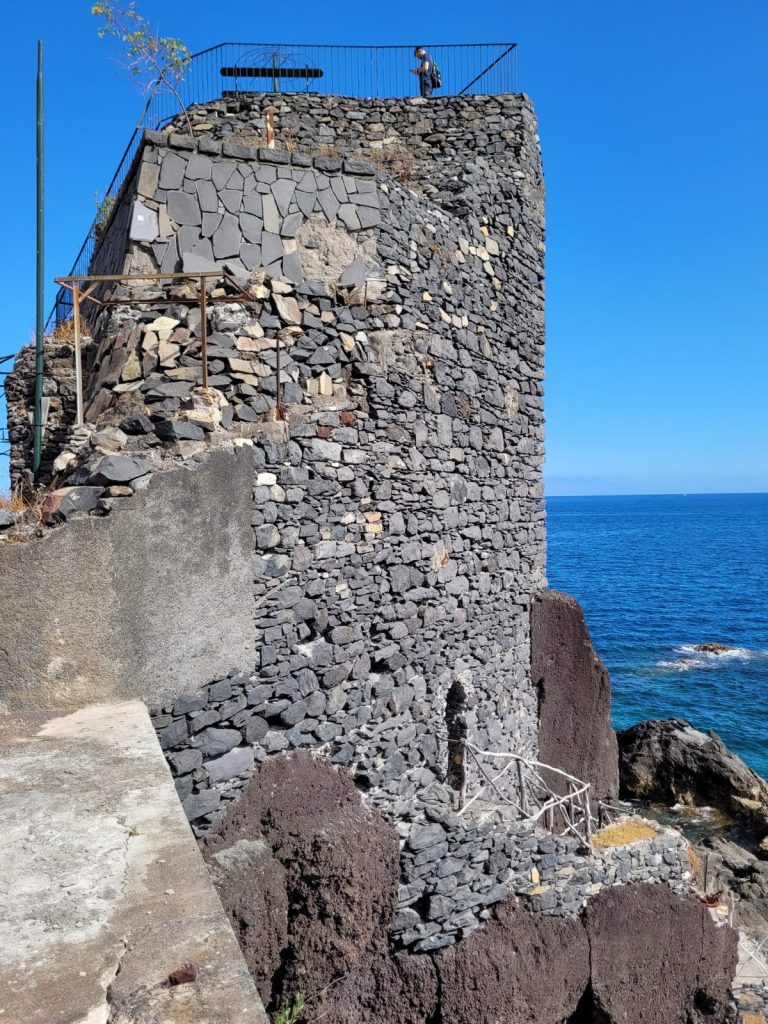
pixel 671 768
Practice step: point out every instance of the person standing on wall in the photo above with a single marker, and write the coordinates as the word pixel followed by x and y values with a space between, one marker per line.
pixel 424 71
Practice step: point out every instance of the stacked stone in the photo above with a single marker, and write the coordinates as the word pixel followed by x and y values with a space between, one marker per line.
pixel 410 501
pixel 456 868
pixel 59 405
pixel 201 212
pixel 398 518
pixel 199 203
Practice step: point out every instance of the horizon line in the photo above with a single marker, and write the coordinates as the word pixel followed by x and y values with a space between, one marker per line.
pixel 658 494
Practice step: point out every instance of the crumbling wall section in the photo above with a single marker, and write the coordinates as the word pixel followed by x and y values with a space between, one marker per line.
pixel 58 406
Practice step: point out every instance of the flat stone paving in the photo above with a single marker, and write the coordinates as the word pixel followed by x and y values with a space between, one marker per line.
pixel 103 892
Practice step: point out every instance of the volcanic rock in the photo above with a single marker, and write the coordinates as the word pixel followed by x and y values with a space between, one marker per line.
pixel 575 732
pixel 656 958
pixel 252 887
pixel 118 469
pixel 521 967
pixel 671 762
pixel 341 870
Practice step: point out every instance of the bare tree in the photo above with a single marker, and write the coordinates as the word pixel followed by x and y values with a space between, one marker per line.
pixel 154 61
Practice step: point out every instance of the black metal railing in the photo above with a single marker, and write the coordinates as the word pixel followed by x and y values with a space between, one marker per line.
pixel 363 72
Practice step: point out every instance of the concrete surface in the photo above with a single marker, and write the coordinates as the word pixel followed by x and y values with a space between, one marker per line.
pixel 152 601
pixel 103 891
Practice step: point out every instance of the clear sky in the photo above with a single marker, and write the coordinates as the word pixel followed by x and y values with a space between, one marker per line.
pixel 653 126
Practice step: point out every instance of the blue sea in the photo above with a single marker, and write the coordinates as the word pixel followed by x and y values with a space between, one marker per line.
pixel 658 574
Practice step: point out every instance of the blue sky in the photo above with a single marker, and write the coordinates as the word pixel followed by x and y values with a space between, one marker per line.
pixel 653 126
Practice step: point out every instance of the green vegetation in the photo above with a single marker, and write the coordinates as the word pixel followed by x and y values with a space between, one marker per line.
pixel 104 208
pixel 292 1014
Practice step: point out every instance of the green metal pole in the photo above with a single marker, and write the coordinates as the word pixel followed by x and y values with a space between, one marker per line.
pixel 37 419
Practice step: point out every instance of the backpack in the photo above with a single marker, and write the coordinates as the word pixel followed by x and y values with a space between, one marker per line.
pixel 437 78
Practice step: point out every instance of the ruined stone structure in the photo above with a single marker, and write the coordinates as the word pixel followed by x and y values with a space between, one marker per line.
pixel 393 257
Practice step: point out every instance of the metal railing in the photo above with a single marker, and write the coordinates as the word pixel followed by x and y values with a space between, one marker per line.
pixel 82 289
pixel 363 72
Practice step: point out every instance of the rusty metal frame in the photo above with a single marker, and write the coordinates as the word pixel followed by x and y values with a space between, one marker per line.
pixel 80 294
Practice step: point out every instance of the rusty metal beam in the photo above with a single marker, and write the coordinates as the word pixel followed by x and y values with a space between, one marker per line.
pixel 73 283
pixel 182 275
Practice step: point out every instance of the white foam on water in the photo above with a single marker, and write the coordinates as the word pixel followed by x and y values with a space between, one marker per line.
pixel 693 658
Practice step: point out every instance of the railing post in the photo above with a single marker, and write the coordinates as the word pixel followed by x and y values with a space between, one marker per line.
pixel 278 393
pixel 204 331
pixel 78 355
pixel 37 416
pixel 521 783
pixel 463 786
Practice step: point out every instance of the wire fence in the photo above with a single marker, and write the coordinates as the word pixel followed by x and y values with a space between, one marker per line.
pixel 362 72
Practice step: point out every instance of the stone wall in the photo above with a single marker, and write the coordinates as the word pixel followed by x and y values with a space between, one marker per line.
pixel 58 406
pixel 454 868
pixel 398 514
pixel 398 520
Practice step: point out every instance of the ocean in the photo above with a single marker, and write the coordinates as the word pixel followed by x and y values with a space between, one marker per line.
pixel 658 574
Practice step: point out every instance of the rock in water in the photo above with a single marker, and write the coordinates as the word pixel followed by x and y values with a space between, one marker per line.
pixel 671 762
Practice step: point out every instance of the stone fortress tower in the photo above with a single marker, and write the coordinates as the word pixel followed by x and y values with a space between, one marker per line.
pixel 333 544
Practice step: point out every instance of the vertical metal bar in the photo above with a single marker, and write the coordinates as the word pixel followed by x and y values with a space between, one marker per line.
pixel 204 331
pixel 37 413
pixel 278 388
pixel 464 775
pixel 78 354
pixel 521 784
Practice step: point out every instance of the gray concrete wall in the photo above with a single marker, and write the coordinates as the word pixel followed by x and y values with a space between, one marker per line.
pixel 104 892
pixel 152 601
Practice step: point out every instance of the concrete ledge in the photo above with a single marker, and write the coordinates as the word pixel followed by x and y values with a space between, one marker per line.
pixel 103 891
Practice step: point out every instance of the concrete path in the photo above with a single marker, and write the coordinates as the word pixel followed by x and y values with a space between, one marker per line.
pixel 103 892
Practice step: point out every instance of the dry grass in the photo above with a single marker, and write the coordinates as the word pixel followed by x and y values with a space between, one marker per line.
pixel 65 331
pixel 623 833
pixel 27 503
pixel 14 501
pixel 397 162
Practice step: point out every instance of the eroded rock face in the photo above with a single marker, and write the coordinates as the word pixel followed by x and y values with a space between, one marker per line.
pixel 521 969
pixel 384 989
pixel 671 762
pixel 340 870
pixel 575 731
pixel 656 958
pixel 251 885
pixel 308 875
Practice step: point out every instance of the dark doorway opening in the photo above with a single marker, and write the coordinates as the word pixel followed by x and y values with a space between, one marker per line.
pixel 456 723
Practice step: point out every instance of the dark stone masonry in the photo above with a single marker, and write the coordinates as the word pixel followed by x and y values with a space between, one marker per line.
pixel 392 259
